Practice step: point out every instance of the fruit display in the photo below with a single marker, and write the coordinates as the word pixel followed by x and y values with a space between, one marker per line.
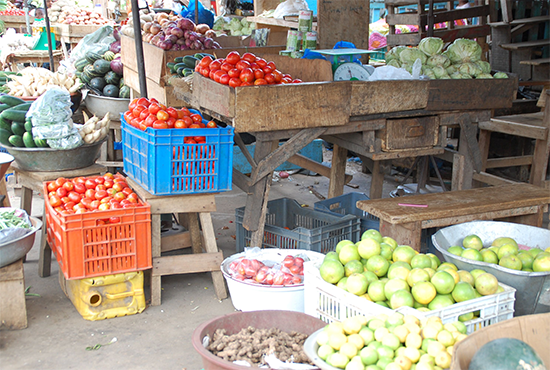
pixel 246 70
pixel 184 66
pixel 289 272
pixel 81 16
pixel 12 12
pixel 390 342
pixel 461 59
pixel 143 113
pixel 35 81
pixel 15 128
pixel 102 73
pixel 94 129
pixel 90 194
pixel 380 271
pixel 505 252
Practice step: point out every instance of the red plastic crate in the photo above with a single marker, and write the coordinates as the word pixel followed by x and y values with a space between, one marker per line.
pixel 84 248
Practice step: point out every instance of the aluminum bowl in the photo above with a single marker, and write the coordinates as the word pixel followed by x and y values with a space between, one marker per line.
pixel 100 105
pixel 18 248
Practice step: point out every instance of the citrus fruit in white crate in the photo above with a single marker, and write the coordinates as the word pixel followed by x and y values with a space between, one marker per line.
pixel 405 277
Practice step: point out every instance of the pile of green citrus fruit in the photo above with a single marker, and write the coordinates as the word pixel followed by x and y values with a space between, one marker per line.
pixel 504 252
pixel 377 269
pixel 389 342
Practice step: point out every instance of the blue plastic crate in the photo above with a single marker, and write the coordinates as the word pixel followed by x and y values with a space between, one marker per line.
pixel 163 164
pixel 346 205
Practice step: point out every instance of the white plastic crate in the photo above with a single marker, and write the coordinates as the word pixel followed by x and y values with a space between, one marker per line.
pixel 330 303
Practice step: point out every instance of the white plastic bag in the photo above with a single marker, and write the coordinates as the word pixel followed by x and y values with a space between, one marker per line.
pixel 289 7
pixel 390 73
pixel 12 233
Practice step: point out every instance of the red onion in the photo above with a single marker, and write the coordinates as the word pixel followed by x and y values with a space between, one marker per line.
pixel 186 24
pixel 178 32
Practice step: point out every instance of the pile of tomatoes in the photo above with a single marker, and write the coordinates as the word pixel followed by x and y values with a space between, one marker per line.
pixel 90 194
pixel 246 70
pixel 143 113
pixel 12 12
pixel 290 272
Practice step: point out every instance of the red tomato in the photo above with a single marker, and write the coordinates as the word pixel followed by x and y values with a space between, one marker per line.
pixel 249 57
pixel 261 62
pixel 74 196
pixel 52 186
pixel 114 220
pixel 133 198
pixel 69 205
pixel 86 202
pixel 215 65
pixel 119 196
pixel 172 112
pixel 127 191
pixel 266 70
pixel 55 201
pixel 90 193
pixel 108 183
pixel 80 188
pixel 297 270
pixel 247 75
pixel 104 207
pixel 184 112
pixel 246 84
pixel 234 82
pixel 271 66
pixel 162 115
pixel 299 261
pixel 118 187
pixel 61 192
pixel 94 204
pixel 69 186
pixel 170 122
pixel 205 72
pixel 288 261
pixel 99 180
pixel 297 81
pixel 217 76
pixel 258 73
pixel 194 125
pixel 137 110
pixel 180 124
pixel 205 62
pixel 196 118
pixel 151 118
pixel 211 124
pixel 224 79
pixel 133 104
pixel 233 57
pixel 143 101
pixel 242 64
pixel 64 200
pixel 188 121
pixel 234 73
pixel 111 192
pixel 160 124
pixel 100 187
pixel 144 114
pixel 128 116
pixel 100 194
pixel 227 66
pixel 153 108
pixel 279 279
pixel 90 184
pixel 260 81
pixel 277 75
pixel 269 78
pixel 286 80
pixel 211 75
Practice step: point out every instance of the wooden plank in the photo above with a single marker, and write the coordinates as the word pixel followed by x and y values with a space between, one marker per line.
pixel 404 234
pixel 503 125
pixel 372 97
pixel 284 152
pixel 458 203
pixel 187 264
pixel 176 241
pixel 212 247
pixel 356 124
pixel 470 32
pixel 512 214
pixel 449 119
pixel 13 309
pixel 241 181
pixel 403 18
pixel 491 179
pixel 454 14
pixel 525 44
pixel 403 39
pixel 240 143
pixel 321 169
pixel 405 153
pixel 339 20
pixel 457 181
pixel 536 62
pixel 156 288
pixel 509 161
pixel 13 271
pixel 338 170
pixel 308 70
pixel 468 133
pixel 194 230
pixel 411 133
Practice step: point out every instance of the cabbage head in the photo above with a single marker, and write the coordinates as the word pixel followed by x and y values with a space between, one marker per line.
pixel 407 67
pixel 485 66
pixel 460 76
pixel 244 22
pixel 464 50
pixel 471 69
pixel 484 75
pixel 500 75
pixel 428 72
pixel 431 46
pixel 445 77
pixel 395 63
pixel 451 69
pixel 410 55
pixel 440 72
pixel 394 53
pixel 439 60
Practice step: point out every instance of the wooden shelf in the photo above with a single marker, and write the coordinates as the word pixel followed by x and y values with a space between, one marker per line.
pixel 522 21
pixel 536 62
pixel 276 22
pixel 524 45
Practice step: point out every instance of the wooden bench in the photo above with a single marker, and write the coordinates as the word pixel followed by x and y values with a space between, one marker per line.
pixel 521 203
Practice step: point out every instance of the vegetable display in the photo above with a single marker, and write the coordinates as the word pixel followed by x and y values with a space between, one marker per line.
pixel 81 16
pixel 10 220
pixel 143 113
pixel 246 70
pixel 233 26
pixel 35 81
pixel 15 128
pixel 91 194
pixel 184 66
pixel 102 73
pixel 12 12
pixel 461 59
pixel 94 129
pixel 289 272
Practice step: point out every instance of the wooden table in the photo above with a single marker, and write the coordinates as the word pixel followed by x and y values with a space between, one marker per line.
pixel 32 56
pixel 33 181
pixel 521 203
pixel 193 212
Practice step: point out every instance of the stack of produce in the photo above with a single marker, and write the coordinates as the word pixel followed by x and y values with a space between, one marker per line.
pixel 94 129
pixel 81 16
pixel 15 128
pixel 247 70
pixel 103 74
pixel 233 26
pixel 12 12
pixel 505 252
pixel 34 81
pixel 289 272
pixel 393 276
pixel 184 66
pixel 461 60
pixel 12 41
pixel 395 342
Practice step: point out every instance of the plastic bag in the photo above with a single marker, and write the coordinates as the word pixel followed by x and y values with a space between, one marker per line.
pixel 12 233
pixel 311 54
pixel 290 7
pixel 347 58
pixel 97 41
pixel 205 15
pixel 390 73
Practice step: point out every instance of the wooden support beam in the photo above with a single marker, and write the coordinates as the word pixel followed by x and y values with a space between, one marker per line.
pixel 492 180
pixel 509 161
pixel 321 169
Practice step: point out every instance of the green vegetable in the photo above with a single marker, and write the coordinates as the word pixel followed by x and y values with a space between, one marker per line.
pixel 394 62
pixel 431 45
pixel 500 75
pixel 16 141
pixel 11 100
pixel 410 55
pixel 484 75
pixel 18 128
pixel 485 66
pixel 9 220
pixel 4 137
pixel 440 72
pixel 460 76
pixel 439 60
pixel 471 69
pixel 464 50
pixel 450 69
pixel 28 140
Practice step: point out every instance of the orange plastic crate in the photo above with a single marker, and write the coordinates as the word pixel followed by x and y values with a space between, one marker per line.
pixel 84 249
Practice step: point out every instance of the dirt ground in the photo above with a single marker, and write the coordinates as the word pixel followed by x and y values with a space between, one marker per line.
pixel 57 336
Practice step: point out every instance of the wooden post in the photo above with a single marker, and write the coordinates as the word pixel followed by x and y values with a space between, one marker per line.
pixel 13 308
pixel 338 171
pixel 343 20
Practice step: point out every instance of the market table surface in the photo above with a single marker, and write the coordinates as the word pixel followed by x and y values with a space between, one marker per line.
pixel 404 218
pixel 191 210
pixel 32 56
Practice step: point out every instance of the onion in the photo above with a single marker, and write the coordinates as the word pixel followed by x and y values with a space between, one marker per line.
pixel 181 41
pixel 210 33
pixel 197 45
pixel 147 26
pixel 208 43
pixel 166 44
pixel 178 32
pixel 202 28
pixel 188 43
pixel 193 36
pixel 216 45
pixel 155 28
pixel 172 38
pixel 186 24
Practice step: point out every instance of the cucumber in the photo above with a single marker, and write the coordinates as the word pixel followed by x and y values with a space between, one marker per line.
pixel 3 107
pixel 178 60
pixel 187 72
pixel 170 66
pixel 12 101
pixel 207 55
pixel 16 141
pixel 41 143
pixel 25 106
pixel 199 56
pixel 5 125
pixel 180 65
pixel 28 140
pixel 14 115
pixel 4 137
pixel 18 128
pixel 28 126
pixel 190 61
pixel 179 72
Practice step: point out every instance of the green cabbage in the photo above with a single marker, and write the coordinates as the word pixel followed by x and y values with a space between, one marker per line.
pixel 431 46
pixel 407 67
pixel 484 75
pixel 439 60
pixel 440 72
pixel 428 72
pixel 445 77
pixel 410 55
pixel 394 53
pixel 460 76
pixel 450 69
pixel 485 66
pixel 500 75
pixel 464 50
pixel 395 63
pixel 471 69
pixel 244 22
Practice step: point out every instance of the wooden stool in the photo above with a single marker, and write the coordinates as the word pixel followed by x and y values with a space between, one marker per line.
pixel 190 209
pixel 521 203
pixel 33 181
pixel 13 308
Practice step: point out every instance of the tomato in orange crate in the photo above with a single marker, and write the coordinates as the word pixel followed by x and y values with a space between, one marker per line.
pixel 97 236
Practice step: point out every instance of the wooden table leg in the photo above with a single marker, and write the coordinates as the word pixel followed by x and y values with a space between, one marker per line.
pixel 212 247
pixel 45 258
pixel 534 219
pixel 193 226
pixel 337 171
pixel 26 200
pixel 405 234
pixel 155 252
pixel 377 182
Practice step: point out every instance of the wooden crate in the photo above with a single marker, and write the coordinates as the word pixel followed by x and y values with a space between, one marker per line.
pixel 164 94
pixel 155 58
pixel 410 133
pixel 14 21
pixel 13 308
pixel 75 30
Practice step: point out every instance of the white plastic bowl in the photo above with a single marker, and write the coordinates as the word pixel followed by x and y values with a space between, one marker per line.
pixel 255 297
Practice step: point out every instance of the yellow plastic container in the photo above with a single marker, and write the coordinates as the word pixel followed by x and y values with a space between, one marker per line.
pixel 107 296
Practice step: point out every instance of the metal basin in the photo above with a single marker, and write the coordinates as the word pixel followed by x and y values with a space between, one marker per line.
pixel 100 105
pixel 16 249
pixel 50 160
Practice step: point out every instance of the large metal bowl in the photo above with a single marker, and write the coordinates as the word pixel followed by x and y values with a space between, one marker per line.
pixel 100 105
pixel 50 160
pixel 16 249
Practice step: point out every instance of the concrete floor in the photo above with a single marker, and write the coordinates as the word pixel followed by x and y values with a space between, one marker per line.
pixel 159 337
